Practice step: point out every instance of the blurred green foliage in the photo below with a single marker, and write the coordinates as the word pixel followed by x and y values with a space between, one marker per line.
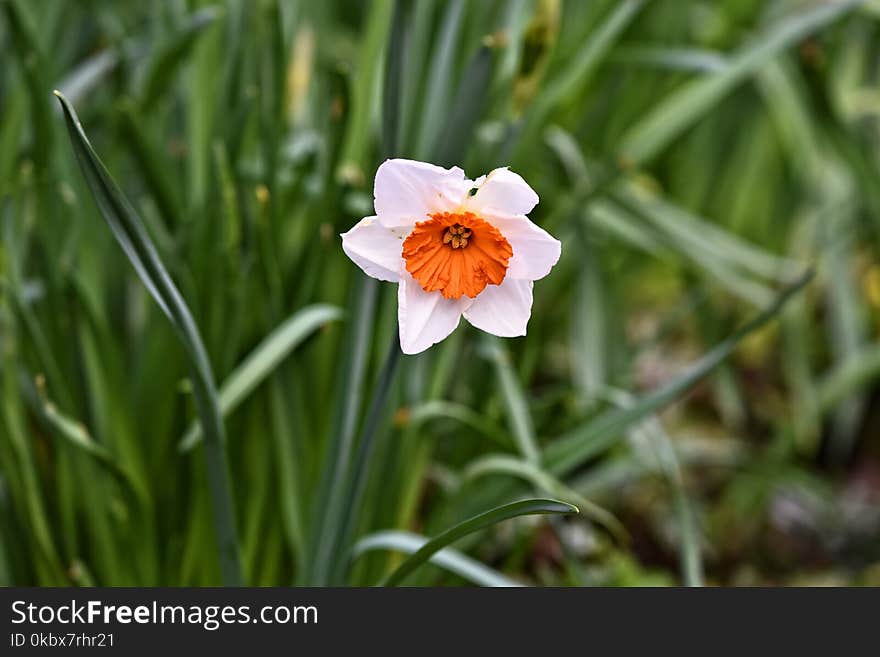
pixel 694 158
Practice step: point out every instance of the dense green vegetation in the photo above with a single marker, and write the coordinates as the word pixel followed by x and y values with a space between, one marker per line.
pixel 710 408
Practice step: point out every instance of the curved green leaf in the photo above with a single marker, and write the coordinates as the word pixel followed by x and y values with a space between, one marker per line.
pixel 439 409
pixel 465 109
pixel 172 54
pixel 578 70
pixel 263 360
pixel 582 443
pixel 76 433
pixel 487 519
pixel 514 400
pixel 77 83
pixel 327 498
pixel 850 376
pixel 26 48
pixel 439 78
pixel 668 463
pixel 448 558
pixel 545 482
pixel 682 108
pixel 135 242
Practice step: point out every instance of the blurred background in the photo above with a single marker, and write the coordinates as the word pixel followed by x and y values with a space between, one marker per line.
pixel 695 158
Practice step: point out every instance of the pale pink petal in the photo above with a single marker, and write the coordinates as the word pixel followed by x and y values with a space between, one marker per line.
pixel 375 248
pixel 502 310
pixel 503 192
pixel 425 318
pixel 407 191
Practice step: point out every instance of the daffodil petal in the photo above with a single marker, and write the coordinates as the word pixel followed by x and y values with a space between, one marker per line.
pixel 375 248
pixel 502 192
pixel 425 318
pixel 502 310
pixel 535 251
pixel 407 191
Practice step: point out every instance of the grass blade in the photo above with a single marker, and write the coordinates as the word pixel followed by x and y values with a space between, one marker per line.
pixel 328 501
pixel 77 435
pixel 547 483
pixel 452 560
pixel 487 519
pixel 39 538
pixel 684 107
pixel 351 163
pixel 172 54
pixel 80 81
pixel 646 229
pixel 693 234
pixel 360 467
pixel 133 238
pixel 439 79
pixel 33 62
pixel 693 60
pixel 437 409
pixel 466 109
pixel 849 377
pixel 660 443
pixel 345 520
pixel 580 69
pixel 514 400
pixel 263 360
pixel 579 445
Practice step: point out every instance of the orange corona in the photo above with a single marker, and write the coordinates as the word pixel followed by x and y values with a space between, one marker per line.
pixel 457 253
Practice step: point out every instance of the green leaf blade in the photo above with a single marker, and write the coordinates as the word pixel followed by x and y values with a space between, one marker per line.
pixel 264 359
pixel 535 506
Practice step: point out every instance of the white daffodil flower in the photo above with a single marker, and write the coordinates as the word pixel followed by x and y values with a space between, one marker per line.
pixel 455 247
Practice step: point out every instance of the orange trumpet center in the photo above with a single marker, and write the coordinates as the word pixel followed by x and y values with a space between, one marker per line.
pixel 457 253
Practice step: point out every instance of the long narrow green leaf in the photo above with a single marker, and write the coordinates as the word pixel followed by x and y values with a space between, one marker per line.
pixel 76 434
pixel 487 519
pixel 581 444
pixel 153 165
pixel 345 471
pixel 26 49
pixel 5 569
pixel 546 483
pixel 357 483
pixel 695 60
pixel 680 110
pixel 850 376
pixel 292 506
pixel 328 501
pixel 700 234
pixel 438 409
pixel 133 238
pixel 264 359
pixel 652 429
pixel 172 54
pixel 648 228
pixel 392 108
pixel 438 83
pixel 77 83
pixel 448 558
pixel 12 420
pixel 465 110
pixel 514 400
pixel 578 71
pixel 370 67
